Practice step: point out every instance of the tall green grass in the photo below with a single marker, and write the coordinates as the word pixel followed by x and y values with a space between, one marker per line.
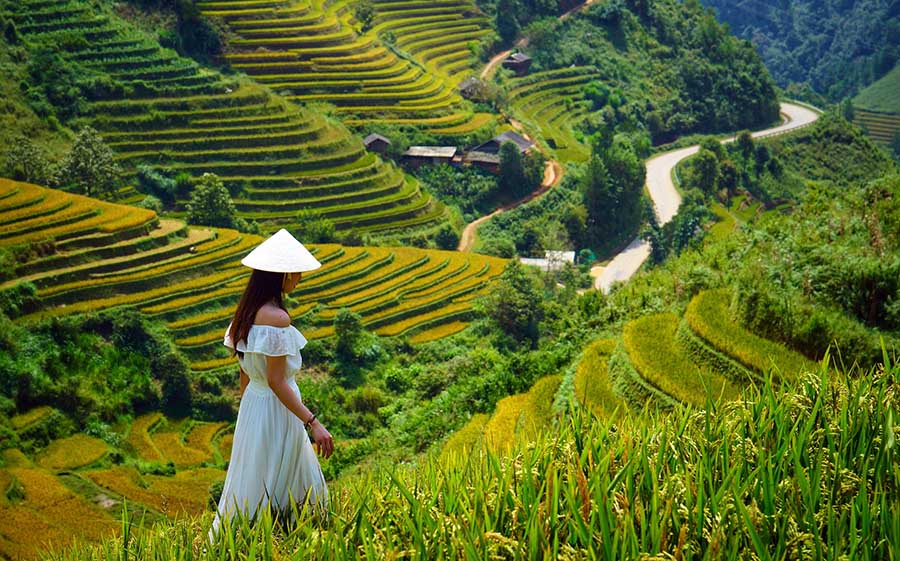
pixel 807 471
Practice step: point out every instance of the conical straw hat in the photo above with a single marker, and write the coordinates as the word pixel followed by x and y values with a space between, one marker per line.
pixel 281 253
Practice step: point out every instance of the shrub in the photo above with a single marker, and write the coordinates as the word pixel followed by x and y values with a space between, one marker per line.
pixel 90 167
pixel 211 205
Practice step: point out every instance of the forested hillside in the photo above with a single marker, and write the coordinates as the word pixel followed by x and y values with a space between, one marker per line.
pixel 663 67
pixel 837 48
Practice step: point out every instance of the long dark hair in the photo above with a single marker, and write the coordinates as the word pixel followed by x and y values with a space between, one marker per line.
pixel 262 287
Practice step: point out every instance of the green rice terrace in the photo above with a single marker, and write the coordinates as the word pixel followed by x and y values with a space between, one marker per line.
pixel 168 111
pixel 312 52
pixel 106 255
pixel 553 102
pixel 877 108
pixel 660 361
pixel 72 489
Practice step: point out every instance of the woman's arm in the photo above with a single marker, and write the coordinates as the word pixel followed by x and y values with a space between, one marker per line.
pixel 276 367
pixel 244 381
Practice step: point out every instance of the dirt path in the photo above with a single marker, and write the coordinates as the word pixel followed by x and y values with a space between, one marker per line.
pixel 666 198
pixel 552 174
pixel 488 71
pixel 553 171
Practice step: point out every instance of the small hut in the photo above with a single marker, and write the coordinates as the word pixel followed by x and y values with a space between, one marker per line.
pixel 376 143
pixel 518 63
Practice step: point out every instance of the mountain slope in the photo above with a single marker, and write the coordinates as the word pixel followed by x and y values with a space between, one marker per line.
pixel 836 47
pixel 158 109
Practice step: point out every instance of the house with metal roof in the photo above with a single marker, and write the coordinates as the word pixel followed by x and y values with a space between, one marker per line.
pixel 492 146
pixel 418 156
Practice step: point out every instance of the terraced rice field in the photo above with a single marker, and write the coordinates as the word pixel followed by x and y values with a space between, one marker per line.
pixel 191 278
pixel 660 361
pixel 517 417
pixel 553 101
pixel 167 111
pixel 882 127
pixel 592 383
pixel 437 33
pixel 71 491
pixel 314 51
pixel 706 354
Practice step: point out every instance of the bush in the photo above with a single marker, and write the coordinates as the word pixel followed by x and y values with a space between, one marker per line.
pixel 211 205
pixel 313 227
pixel 90 167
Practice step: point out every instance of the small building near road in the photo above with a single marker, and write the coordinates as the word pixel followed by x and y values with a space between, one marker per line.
pixel 376 143
pixel 518 63
pixel 418 156
pixel 552 260
pixel 492 146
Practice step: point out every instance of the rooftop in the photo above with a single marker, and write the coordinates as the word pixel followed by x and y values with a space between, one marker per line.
pixel 373 137
pixel 431 151
pixel 518 57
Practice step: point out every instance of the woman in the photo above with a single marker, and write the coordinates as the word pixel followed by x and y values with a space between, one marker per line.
pixel 272 460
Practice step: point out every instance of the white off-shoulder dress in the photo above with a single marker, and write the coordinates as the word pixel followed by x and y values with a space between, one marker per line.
pixel 271 455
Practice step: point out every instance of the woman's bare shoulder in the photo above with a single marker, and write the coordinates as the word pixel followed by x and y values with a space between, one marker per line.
pixel 270 314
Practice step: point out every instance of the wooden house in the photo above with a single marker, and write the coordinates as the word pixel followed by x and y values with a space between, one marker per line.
pixel 418 156
pixel 376 143
pixel 518 63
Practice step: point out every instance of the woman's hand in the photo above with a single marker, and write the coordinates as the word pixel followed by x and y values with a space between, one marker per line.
pixel 322 438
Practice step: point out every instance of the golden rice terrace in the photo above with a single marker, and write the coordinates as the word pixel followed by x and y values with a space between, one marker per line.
pixel 97 255
pixel 167 111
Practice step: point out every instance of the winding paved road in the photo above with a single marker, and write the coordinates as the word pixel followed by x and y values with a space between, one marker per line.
pixel 666 198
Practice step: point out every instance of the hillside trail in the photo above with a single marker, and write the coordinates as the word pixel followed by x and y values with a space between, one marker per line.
pixel 553 171
pixel 552 174
pixel 491 66
pixel 666 198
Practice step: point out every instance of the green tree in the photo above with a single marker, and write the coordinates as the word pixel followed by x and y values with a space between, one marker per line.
pixel 11 34
pixel 895 145
pixel 847 109
pixel 157 183
pixel 713 145
pixel 90 167
pixel 729 176
pixel 348 332
pixel 705 172
pixel 506 23
pixel 613 186
pixel 514 305
pixel 533 164
pixel 211 205
pixel 762 158
pixel 599 198
pixel 745 144
pixel 314 227
pixel 364 12
pixel 447 238
pixel 25 161
pixel 512 170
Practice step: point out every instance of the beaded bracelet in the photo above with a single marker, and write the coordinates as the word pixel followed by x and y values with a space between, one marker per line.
pixel 309 422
